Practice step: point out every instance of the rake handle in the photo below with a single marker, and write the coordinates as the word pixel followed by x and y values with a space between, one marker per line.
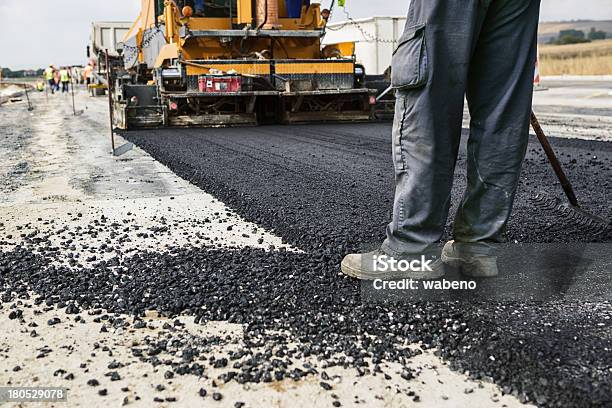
pixel 25 86
pixel 554 162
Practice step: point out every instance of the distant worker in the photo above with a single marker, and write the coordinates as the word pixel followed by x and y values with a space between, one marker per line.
pixel 57 79
pixel 65 79
pixel 40 86
pixel 87 73
pixel 50 77
pixel 484 51
pixel 75 74
pixel 199 8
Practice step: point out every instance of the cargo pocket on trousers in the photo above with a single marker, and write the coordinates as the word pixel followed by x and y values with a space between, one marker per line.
pixel 409 68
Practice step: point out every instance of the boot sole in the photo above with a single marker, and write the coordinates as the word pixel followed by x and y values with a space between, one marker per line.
pixel 358 274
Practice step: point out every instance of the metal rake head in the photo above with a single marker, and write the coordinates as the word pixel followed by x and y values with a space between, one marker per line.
pixel 591 223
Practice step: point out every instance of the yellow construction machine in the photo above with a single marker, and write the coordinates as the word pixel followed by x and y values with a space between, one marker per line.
pixel 236 62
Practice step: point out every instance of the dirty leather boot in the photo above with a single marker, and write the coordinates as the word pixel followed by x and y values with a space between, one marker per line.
pixel 470 261
pixel 378 265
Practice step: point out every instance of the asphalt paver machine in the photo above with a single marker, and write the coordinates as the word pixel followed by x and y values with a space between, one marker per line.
pixel 236 62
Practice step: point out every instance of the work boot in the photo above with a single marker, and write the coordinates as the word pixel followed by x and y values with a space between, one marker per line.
pixel 378 265
pixel 469 261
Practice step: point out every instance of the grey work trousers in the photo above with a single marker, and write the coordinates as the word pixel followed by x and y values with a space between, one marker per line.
pixel 484 50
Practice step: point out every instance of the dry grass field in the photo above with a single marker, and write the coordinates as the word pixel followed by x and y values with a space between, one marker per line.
pixel 593 58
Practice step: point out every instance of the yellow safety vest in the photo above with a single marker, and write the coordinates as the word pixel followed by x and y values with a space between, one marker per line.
pixel 64 76
pixel 49 74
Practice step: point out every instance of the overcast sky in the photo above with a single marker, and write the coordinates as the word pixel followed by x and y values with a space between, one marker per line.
pixel 36 33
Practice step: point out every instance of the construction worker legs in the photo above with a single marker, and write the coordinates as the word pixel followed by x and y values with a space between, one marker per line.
pixel 430 71
pixel 199 7
pixel 499 94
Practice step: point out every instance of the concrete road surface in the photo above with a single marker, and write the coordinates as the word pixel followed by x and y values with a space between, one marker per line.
pixel 573 108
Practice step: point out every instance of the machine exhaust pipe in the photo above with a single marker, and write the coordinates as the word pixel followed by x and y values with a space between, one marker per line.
pixel 267 14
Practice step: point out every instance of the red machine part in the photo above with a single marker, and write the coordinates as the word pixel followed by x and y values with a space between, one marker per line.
pixel 220 83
